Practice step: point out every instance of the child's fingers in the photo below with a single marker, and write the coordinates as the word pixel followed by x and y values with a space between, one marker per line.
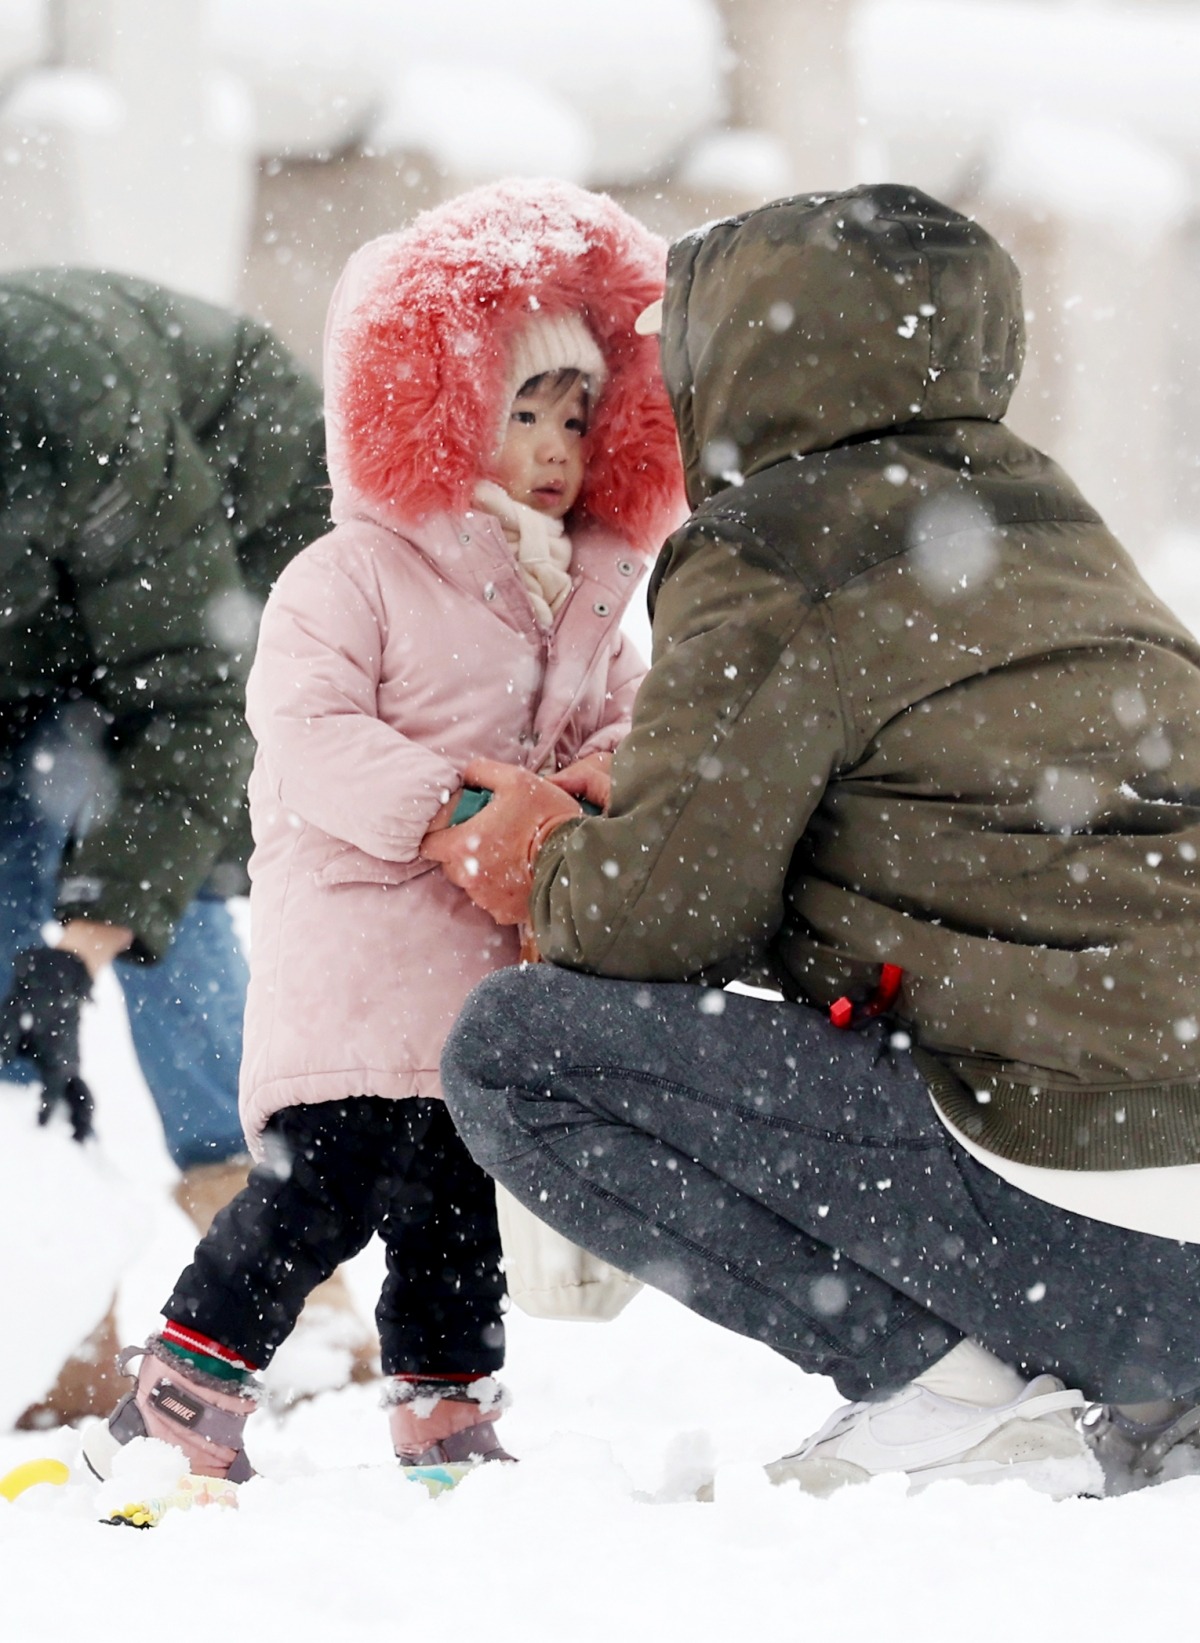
pixel 437 845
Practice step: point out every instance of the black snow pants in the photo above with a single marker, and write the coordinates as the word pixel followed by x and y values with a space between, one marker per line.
pixel 337 1172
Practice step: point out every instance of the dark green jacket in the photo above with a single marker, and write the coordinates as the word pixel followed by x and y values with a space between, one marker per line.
pixel 160 460
pixel 910 702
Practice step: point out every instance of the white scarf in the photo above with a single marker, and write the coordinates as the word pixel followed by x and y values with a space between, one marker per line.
pixel 541 549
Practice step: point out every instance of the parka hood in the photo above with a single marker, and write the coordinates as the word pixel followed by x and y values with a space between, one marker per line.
pixel 418 342
pixel 829 317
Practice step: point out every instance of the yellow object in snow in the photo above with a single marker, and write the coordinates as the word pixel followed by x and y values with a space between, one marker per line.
pixel 24 1477
pixel 190 1491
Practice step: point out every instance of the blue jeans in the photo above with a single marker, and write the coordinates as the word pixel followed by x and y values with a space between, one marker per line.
pixel 793 1183
pixel 185 1013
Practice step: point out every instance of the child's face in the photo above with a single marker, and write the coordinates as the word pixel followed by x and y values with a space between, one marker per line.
pixel 541 459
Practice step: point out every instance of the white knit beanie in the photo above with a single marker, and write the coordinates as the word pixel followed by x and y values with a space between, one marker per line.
pixel 554 342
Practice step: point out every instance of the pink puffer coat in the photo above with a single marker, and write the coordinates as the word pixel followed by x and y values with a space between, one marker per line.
pixel 403 644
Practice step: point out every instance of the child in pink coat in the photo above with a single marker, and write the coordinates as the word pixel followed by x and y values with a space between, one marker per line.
pixel 503 458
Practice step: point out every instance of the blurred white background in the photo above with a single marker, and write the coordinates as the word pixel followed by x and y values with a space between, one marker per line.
pixel 242 148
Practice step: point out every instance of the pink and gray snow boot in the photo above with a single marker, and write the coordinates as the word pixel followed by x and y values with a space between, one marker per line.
pixel 442 1429
pixel 201 1415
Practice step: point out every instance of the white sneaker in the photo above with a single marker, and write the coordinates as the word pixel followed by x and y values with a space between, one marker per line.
pixel 916 1432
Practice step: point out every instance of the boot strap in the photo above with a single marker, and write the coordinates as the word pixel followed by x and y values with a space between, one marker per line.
pixel 473 1443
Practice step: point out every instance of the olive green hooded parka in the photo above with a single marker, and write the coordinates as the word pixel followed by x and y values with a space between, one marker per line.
pixel 910 701
pixel 160 461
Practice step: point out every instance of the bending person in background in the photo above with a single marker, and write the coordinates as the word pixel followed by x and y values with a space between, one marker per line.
pixel 161 460
pixel 917 739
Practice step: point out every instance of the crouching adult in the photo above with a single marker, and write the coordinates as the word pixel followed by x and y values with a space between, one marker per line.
pixel 919 746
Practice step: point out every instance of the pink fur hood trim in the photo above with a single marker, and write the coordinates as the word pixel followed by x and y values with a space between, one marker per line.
pixel 417 347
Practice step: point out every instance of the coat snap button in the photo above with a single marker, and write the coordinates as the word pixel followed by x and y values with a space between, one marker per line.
pixel 601 608
pixel 489 593
pixel 625 567
pixel 465 540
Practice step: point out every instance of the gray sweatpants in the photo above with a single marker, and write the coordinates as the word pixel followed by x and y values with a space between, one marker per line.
pixel 792 1182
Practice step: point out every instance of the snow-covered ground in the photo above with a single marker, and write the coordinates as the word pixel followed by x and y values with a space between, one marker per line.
pixel 596 1535
pixel 593 1537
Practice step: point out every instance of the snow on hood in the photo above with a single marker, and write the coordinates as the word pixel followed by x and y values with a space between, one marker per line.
pixel 418 339
pixel 828 317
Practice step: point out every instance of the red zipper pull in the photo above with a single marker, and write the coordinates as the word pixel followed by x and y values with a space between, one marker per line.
pixel 843 1012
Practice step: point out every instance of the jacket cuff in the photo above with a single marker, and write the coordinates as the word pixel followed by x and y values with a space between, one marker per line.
pixel 544 862
pixel 541 833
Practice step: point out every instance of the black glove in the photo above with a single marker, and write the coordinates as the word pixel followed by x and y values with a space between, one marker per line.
pixel 40 1021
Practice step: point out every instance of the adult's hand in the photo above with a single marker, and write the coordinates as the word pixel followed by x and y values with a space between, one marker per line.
pixel 40 1021
pixel 589 778
pixel 95 943
pixel 491 856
